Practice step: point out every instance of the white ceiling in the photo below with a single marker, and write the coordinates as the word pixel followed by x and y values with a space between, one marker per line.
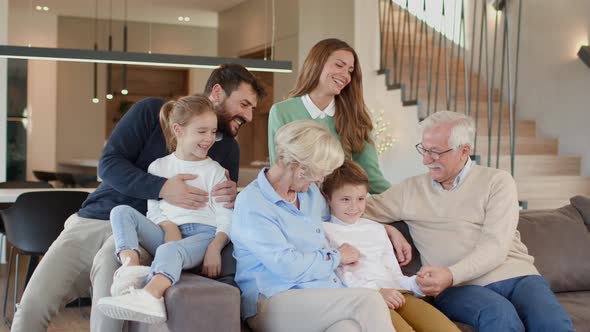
pixel 201 12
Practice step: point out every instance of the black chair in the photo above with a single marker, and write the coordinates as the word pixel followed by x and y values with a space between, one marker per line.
pixel 32 212
pixel 45 176
pixel 67 179
pixel 25 184
pixel 18 185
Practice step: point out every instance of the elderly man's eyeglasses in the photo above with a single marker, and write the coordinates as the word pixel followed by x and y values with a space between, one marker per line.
pixel 433 154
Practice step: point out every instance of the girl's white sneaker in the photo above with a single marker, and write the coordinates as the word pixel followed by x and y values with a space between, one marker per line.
pixel 129 276
pixel 136 305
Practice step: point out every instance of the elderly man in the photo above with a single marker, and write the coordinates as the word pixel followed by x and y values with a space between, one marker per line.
pixel 463 220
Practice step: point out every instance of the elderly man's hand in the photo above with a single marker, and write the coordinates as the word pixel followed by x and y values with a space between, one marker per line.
pixel 433 280
pixel 403 249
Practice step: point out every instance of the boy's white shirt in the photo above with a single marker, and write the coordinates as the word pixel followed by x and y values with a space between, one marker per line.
pixel 377 267
pixel 210 173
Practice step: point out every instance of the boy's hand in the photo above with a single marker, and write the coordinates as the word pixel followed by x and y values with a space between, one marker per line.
pixel 392 297
pixel 171 231
pixel 212 262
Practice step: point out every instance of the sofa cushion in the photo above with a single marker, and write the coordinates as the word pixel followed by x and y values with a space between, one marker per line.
pixel 197 303
pixel 577 306
pixel 415 264
pixel 560 243
pixel 228 266
pixel 582 204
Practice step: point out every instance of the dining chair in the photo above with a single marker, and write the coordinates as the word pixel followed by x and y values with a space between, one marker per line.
pixel 32 224
pixel 18 185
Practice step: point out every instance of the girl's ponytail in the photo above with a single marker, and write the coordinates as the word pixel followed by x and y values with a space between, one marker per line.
pixel 166 125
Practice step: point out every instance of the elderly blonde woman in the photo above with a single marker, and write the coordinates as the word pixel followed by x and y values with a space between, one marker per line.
pixel 285 269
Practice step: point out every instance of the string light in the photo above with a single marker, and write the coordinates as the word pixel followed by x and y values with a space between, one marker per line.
pixel 383 140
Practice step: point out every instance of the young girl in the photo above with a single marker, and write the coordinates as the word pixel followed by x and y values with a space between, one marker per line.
pixel 178 238
pixel 377 268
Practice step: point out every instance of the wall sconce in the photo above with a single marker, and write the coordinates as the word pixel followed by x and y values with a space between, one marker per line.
pixel 584 54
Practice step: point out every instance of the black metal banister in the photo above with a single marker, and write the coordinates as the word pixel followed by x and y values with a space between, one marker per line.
pixel 411 57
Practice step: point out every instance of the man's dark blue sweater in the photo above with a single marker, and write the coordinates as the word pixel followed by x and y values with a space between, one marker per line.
pixel 134 144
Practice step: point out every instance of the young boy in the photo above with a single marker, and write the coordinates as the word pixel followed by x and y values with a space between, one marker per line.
pixel 377 268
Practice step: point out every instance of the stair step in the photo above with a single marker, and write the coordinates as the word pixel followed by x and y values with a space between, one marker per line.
pixel 524 145
pixel 552 187
pixel 523 128
pixel 538 165
pixel 481 107
pixel 483 95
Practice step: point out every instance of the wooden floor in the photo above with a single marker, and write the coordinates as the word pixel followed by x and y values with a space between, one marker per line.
pixel 69 320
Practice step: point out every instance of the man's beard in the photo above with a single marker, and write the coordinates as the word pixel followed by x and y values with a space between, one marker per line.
pixel 224 120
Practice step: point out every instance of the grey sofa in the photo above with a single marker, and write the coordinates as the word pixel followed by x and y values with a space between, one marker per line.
pixel 198 303
pixel 558 239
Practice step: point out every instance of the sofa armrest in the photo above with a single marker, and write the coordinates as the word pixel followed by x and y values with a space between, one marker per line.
pixel 197 303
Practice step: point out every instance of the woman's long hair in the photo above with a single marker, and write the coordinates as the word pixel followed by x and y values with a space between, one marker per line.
pixel 352 120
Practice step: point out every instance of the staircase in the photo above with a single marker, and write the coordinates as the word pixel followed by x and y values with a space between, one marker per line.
pixel 544 178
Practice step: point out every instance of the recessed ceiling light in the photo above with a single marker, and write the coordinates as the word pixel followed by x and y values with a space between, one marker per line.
pixel 45 8
pixel 38 7
pixel 42 8
pixel 186 18
pixel 180 18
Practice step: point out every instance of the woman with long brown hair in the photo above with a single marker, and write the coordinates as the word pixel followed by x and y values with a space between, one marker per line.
pixel 329 91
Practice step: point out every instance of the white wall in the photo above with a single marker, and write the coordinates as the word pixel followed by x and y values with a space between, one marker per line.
pixel 325 19
pixel 554 83
pixel 401 160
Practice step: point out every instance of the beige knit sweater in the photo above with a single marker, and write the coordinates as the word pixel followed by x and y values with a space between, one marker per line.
pixel 471 229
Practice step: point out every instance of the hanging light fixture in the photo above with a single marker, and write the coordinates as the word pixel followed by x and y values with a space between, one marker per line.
pixel 110 66
pixel 95 94
pixel 124 90
pixel 142 59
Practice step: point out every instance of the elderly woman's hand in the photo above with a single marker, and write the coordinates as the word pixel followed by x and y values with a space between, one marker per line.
pixel 348 254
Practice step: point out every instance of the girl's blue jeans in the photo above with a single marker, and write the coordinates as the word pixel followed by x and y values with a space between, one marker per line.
pixel 132 229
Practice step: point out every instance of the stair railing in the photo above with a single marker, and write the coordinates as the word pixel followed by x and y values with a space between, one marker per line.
pixel 424 56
